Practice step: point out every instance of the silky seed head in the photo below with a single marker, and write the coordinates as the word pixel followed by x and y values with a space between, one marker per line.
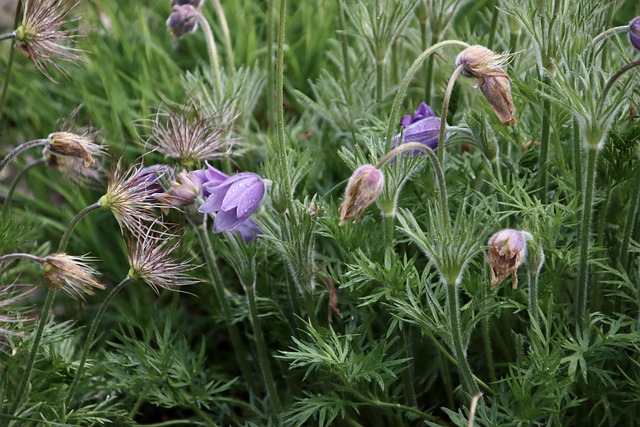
pixel 479 61
pixel 71 274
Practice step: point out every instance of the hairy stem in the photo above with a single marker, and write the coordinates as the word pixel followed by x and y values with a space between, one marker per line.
pixel 92 332
pixel 12 52
pixel 74 221
pixel 445 110
pixel 213 55
pixel 282 146
pixel 26 376
pixel 585 234
pixel 30 257
pixel 613 79
pixel 494 24
pixel 227 36
pixel 544 150
pixel 19 149
pixel 402 90
pixel 344 45
pixel 12 187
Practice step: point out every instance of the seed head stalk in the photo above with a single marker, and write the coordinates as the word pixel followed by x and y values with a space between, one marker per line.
pixel 12 52
pixel 12 187
pixel 19 149
pixel 213 54
pixel 445 110
pixel 92 332
pixel 585 234
pixel 282 147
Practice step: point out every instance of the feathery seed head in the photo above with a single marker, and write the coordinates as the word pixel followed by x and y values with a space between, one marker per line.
pixel 70 274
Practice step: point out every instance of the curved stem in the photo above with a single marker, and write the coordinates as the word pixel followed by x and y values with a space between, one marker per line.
pixel 19 149
pixel 26 376
pixel 445 110
pixel 459 352
pixel 12 52
pixel 585 233
pixel 263 354
pixel 608 33
pixel 402 90
pixel 227 36
pixel 613 79
pixel 344 45
pixel 76 219
pixel 544 149
pixel 92 332
pixel 213 54
pixel 12 187
pixel 11 35
pixel 216 283
pixel 30 257
pixel 444 198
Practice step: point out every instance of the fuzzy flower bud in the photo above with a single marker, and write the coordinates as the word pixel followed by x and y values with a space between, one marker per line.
pixel 634 32
pixel 183 192
pixel 69 144
pixel 183 20
pixel 364 186
pixel 480 62
pixel 497 90
pixel 507 251
pixel 70 274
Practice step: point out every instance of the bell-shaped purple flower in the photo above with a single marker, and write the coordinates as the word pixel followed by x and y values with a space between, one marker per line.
pixel 233 199
pixel 210 178
pixel 634 32
pixel 183 20
pixel 422 127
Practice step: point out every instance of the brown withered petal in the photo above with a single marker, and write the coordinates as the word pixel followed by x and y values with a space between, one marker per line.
pixel 507 251
pixel 42 36
pixel 69 144
pixel 497 91
pixel 70 274
pixel 363 188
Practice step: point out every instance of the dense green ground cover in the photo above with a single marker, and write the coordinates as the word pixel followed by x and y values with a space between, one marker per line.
pixel 388 321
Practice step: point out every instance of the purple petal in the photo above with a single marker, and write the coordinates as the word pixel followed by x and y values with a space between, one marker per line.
pixel 251 200
pixel 226 221
pixel 240 183
pixel 248 230
pixel 422 112
pixel 407 119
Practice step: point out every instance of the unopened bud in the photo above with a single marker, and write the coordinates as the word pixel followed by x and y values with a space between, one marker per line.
pixel 183 20
pixel 478 61
pixel 364 186
pixel 507 251
pixel 69 144
pixel 183 192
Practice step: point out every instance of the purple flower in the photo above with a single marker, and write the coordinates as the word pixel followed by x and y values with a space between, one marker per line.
pixel 183 20
pixel 422 127
pixel 233 199
pixel 634 32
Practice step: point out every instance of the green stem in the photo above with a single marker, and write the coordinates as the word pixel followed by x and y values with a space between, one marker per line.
pixel 544 150
pixel 585 234
pixel 88 341
pixel 602 220
pixel 577 155
pixel 282 147
pixel 216 283
pixel 630 221
pixel 534 309
pixel 608 33
pixel 12 52
pixel 444 198
pixel 76 219
pixel 263 354
pixel 26 376
pixel 402 90
pixel 344 44
pixel 213 55
pixel 445 110
pixel 407 374
pixel 19 149
pixel 388 230
pixel 379 80
pixel 227 37
pixel 612 80
pixel 206 418
pixel 459 352
pixel 136 406
pixel 494 24
pixel 12 188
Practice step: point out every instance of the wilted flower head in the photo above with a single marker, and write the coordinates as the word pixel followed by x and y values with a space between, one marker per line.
pixel 129 195
pixel 187 137
pixel 422 127
pixel 364 186
pixel 233 199
pixel 182 192
pixel 74 155
pixel 183 20
pixel 497 90
pixel 478 61
pixel 150 261
pixel 70 274
pixel 41 35
pixel 634 32
pixel 507 250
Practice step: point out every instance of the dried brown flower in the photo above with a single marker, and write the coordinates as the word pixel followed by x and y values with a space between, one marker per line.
pixel 70 274
pixel 364 186
pixel 507 250
pixel 497 90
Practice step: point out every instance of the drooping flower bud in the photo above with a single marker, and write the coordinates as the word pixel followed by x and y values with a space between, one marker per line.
pixel 183 20
pixel 497 90
pixel 183 192
pixel 634 32
pixel 479 62
pixel 364 186
pixel 69 144
pixel 507 251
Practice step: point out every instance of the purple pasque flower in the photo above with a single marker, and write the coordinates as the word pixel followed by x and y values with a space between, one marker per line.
pixel 634 32
pixel 183 20
pixel 233 199
pixel 422 127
